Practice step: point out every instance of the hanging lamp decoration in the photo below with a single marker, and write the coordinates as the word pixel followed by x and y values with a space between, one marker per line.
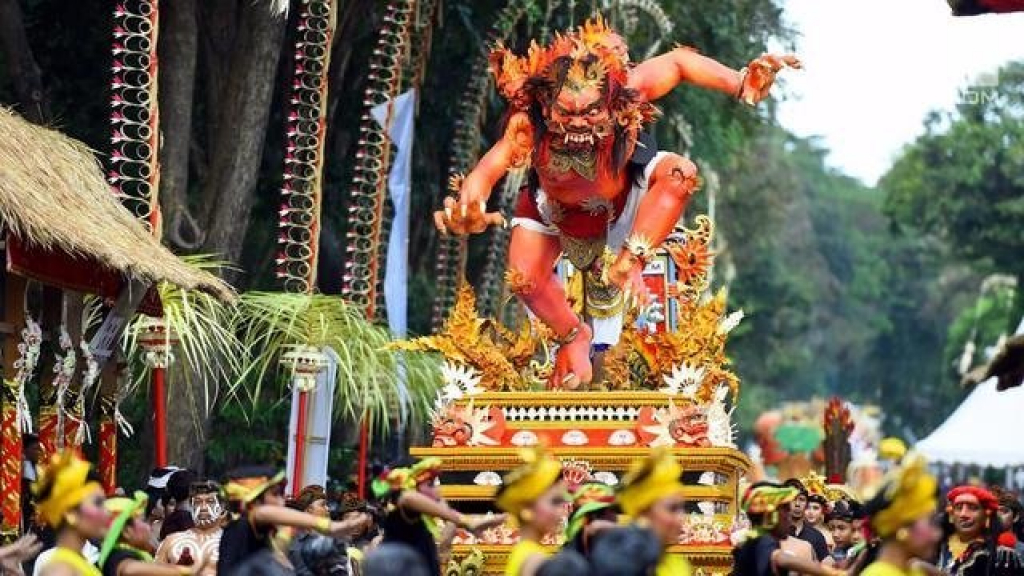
pixel 158 341
pixel 25 367
pixel 76 429
pixel 373 158
pixel 52 422
pixel 304 364
pixel 134 119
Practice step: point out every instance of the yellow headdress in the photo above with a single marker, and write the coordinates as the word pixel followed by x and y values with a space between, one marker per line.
pixel 249 488
pixel 814 484
pixel 892 449
pixel 649 480
pixel 397 480
pixel 63 486
pixel 836 492
pixel 424 471
pixel 907 494
pixel 764 500
pixel 522 486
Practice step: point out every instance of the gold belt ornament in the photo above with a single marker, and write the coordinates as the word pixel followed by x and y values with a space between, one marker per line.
pixel 582 252
pixel 603 298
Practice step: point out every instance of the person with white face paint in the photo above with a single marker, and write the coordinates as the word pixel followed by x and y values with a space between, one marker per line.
pixel 198 545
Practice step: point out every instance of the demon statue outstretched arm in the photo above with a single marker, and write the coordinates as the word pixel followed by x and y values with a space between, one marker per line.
pixel 597 193
pixel 658 76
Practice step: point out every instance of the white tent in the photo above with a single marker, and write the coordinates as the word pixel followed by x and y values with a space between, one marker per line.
pixel 985 430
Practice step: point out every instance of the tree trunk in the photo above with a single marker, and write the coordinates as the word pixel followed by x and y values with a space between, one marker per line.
pixel 187 419
pixel 238 148
pixel 218 28
pixel 177 49
pixel 21 64
pixel 240 68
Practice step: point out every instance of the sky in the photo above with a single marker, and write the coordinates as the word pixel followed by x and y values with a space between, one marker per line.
pixel 875 68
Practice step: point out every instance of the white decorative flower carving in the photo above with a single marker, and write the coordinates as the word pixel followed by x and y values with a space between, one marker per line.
pixel 575 438
pixel 487 478
pixel 684 380
pixel 622 438
pixel 524 438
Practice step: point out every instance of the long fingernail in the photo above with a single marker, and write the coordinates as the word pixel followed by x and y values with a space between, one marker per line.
pixel 483 206
pixel 448 213
pixel 464 210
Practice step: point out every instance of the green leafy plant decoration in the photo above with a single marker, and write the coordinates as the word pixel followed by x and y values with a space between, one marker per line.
pixel 206 339
pixel 272 323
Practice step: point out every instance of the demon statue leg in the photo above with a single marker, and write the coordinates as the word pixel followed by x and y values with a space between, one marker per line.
pixel 532 256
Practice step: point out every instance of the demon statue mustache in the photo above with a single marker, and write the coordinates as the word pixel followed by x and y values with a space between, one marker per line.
pixel 596 192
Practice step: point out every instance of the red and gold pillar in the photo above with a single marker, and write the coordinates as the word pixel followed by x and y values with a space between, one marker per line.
pixel 107 464
pixel 158 340
pixel 110 388
pixel 10 427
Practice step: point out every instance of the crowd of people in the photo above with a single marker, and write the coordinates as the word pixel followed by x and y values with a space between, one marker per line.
pixel 905 529
pixel 246 526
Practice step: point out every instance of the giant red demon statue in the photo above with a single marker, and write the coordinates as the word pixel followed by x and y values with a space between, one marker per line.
pixel 595 191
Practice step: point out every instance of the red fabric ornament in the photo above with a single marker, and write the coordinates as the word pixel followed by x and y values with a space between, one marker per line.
pixel 987 500
pixel 1007 540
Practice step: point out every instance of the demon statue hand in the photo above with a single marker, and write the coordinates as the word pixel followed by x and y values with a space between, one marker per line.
pixel 579 108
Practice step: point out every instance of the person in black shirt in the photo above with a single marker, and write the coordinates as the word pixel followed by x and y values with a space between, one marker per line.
pixel 393 559
pixel 256 495
pixel 769 508
pixel 127 545
pixel 799 527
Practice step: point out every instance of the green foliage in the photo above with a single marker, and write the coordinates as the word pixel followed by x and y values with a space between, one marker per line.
pixel 272 323
pixel 202 327
pixel 957 192
pixel 963 179
pixel 836 303
pixel 981 324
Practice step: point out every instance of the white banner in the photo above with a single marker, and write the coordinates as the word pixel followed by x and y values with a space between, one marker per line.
pixel 398 119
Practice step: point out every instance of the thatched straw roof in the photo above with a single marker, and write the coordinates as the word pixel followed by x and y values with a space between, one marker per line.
pixel 53 195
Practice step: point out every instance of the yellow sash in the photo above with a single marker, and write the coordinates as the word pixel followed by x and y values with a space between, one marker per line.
pixel 74 560
pixel 672 565
pixel 520 553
